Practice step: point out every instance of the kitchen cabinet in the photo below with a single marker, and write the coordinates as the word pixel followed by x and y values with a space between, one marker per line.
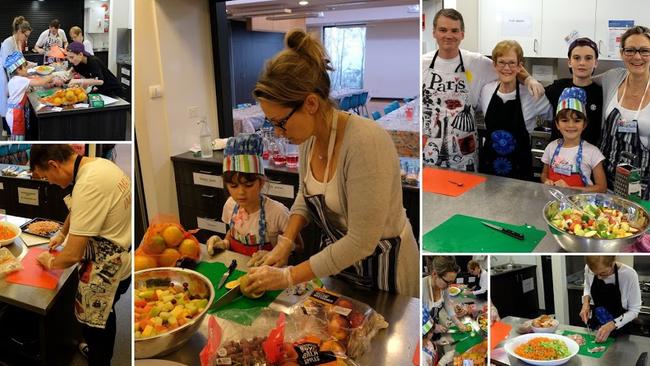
pixel 96 20
pixel 575 305
pixel 32 198
pixel 514 291
pixel 510 19
pixel 560 19
pixel 124 75
pixel 636 10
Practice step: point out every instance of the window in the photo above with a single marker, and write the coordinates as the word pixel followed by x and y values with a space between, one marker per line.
pixel 346 48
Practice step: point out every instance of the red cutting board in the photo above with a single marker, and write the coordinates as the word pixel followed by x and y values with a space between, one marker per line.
pixel 438 181
pixel 498 332
pixel 33 274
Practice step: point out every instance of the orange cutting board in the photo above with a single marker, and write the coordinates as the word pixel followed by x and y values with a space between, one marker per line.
pixel 440 181
pixel 498 332
pixel 33 274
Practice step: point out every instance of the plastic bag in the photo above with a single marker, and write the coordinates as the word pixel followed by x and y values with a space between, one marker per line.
pixel 164 244
pixel 8 263
pixel 477 355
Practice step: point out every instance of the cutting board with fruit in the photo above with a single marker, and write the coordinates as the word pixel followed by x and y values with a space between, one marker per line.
pixel 244 310
pixel 67 96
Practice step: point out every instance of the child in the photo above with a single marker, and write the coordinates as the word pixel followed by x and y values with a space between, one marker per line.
pixel 254 221
pixel 17 104
pixel 570 161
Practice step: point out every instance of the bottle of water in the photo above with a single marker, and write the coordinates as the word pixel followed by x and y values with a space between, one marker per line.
pixel 205 139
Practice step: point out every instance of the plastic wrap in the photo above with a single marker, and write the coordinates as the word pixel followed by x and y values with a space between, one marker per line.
pixel 8 263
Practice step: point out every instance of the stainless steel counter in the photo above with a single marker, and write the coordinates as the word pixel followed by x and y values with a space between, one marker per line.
pixel 392 346
pixel 508 200
pixel 625 350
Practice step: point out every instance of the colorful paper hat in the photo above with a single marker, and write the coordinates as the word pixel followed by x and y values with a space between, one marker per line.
pixel 14 61
pixel 243 154
pixel 572 98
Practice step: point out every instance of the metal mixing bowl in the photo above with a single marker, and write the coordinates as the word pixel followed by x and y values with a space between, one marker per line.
pixel 638 218
pixel 169 342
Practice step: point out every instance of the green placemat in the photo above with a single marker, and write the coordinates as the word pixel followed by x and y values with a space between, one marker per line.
pixel 243 310
pixel 466 234
pixel 643 203
pixel 589 343
pixel 44 93
pixel 463 346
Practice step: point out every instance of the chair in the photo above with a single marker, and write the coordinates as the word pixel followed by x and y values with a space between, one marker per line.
pixel 376 115
pixel 345 103
pixel 354 103
pixel 363 100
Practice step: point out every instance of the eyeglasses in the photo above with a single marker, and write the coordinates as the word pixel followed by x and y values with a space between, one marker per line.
pixel 281 123
pixel 511 65
pixel 445 281
pixel 630 52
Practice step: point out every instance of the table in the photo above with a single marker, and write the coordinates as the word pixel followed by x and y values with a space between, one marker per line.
pixel 85 124
pixel 57 329
pixel 404 132
pixel 247 120
pixel 625 351
pixel 392 346
pixel 339 94
pixel 502 199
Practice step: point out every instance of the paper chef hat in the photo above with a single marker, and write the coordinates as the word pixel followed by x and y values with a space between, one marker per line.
pixel 243 154
pixel 572 98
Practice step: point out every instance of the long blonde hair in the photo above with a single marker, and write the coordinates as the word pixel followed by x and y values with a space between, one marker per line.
pixel 20 24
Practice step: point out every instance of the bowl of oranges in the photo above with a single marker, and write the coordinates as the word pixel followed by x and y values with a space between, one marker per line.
pixel 67 96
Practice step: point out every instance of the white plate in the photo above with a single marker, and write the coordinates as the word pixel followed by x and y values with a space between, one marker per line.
pixel 457 293
pixel 47 70
pixel 12 227
pixel 155 362
pixel 514 342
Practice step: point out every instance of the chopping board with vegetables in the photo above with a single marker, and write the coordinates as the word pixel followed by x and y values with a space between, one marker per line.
pixel 33 274
pixel 590 344
pixel 466 340
pixel 467 234
pixel 243 310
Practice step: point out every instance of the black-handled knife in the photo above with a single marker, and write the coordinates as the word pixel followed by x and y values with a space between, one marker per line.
pixel 509 232
pixel 225 276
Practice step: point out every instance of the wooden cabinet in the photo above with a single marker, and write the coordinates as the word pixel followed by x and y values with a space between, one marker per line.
pixel 514 292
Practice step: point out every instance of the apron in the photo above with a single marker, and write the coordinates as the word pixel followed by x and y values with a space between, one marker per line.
pixel 609 297
pixel 482 296
pixel 620 136
pixel 377 271
pixel 251 245
pixel 99 279
pixel 506 151
pixel 20 119
pixel 565 172
pixel 449 133
pixel 434 312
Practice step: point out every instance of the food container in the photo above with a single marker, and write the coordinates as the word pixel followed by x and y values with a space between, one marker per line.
pixel 95 100
pixel 166 343
pixel 513 343
pixel 575 243
pixel 11 227
pixel 550 329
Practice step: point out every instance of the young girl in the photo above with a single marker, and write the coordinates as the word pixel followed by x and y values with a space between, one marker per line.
pixel 570 161
pixel 254 221
pixel 17 104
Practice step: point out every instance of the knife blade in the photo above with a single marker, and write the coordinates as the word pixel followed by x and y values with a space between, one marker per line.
pixel 225 276
pixel 227 298
pixel 509 232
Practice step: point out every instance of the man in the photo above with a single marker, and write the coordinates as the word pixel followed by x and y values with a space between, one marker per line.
pixel 583 60
pixel 96 236
pixel 452 81
pixel 50 37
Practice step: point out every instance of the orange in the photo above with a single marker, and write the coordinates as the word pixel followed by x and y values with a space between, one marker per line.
pixel 168 257
pixel 172 235
pixel 143 261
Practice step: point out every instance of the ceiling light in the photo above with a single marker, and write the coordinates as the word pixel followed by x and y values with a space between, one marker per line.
pixel 313 14
pixel 303 2
pixel 259 12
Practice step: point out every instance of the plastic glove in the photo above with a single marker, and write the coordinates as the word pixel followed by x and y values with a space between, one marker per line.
pixel 279 256
pixel 257 259
pixel 604 331
pixel 267 278
pixel 439 328
pixel 56 240
pixel 535 88
pixel 447 358
pixel 45 259
pixel 216 243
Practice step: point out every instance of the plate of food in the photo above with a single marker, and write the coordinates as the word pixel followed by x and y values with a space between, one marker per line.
pixel 38 226
pixel 482 321
pixel 544 324
pixel 44 70
pixel 542 350
pixel 454 291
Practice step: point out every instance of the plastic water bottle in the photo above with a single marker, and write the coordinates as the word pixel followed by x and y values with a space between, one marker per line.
pixel 205 139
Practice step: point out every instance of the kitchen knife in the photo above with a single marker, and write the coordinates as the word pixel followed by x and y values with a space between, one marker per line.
pixel 509 232
pixel 227 298
pixel 225 276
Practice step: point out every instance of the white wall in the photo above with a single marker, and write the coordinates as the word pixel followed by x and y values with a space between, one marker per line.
pixel 469 10
pixel 98 40
pixel 120 10
pixel 183 66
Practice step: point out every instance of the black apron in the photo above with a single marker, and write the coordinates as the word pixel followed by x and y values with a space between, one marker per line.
pixel 609 297
pixel 482 296
pixel 377 271
pixel 506 151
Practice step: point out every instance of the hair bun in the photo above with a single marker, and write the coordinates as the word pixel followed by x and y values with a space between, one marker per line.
pixel 295 38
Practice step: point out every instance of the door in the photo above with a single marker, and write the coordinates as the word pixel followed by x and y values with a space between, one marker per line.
pixel 559 28
pixel 612 13
pixel 511 19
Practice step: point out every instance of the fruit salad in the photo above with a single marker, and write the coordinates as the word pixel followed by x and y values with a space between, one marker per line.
pixel 162 309
pixel 603 223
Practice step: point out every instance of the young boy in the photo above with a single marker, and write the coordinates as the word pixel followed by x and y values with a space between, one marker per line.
pixel 17 104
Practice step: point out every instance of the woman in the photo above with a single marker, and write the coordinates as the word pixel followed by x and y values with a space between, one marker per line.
pixel 626 95
pixel 77 35
pixel 480 291
pixel 91 67
pixel 510 114
pixel 435 296
pixel 53 36
pixel 21 31
pixel 611 297
pixel 349 182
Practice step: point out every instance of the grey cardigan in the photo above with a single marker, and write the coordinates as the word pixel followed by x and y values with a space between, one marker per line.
pixel 370 191
pixel 610 81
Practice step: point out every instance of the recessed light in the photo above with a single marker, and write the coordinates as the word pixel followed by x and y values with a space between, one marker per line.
pixel 303 2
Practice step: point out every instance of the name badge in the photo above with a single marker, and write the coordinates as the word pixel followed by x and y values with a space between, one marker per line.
pixel 627 127
pixel 564 169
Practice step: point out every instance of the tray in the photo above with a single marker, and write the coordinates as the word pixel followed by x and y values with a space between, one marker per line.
pixel 24 226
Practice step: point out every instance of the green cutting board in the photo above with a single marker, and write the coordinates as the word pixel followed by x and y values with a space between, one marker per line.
pixel 643 203
pixel 466 234
pixel 463 346
pixel 243 310
pixel 589 339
